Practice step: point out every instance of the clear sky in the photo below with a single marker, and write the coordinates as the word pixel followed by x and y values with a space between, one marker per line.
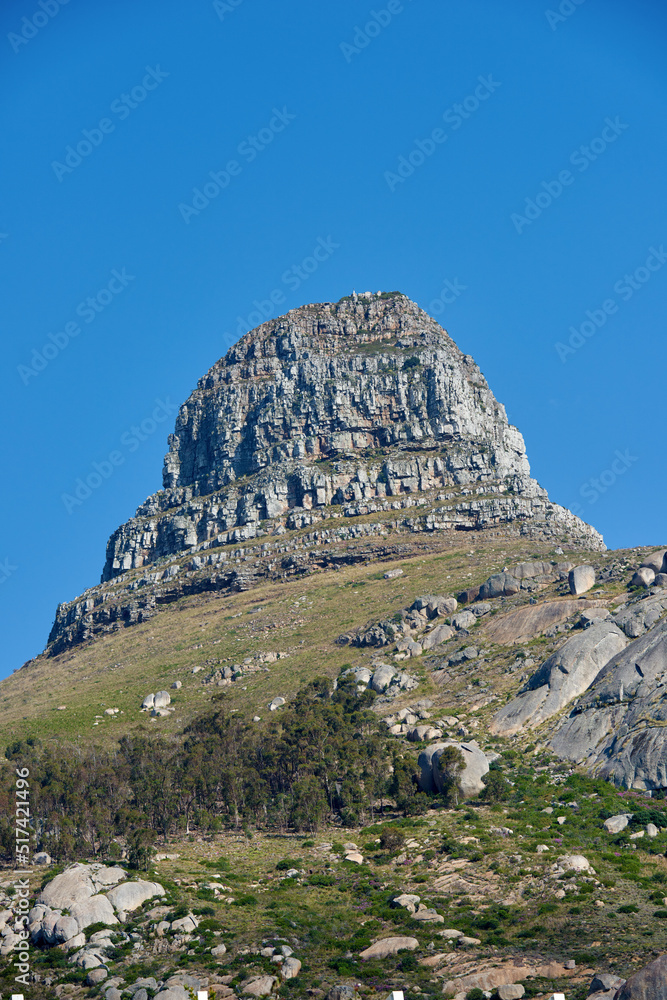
pixel 502 164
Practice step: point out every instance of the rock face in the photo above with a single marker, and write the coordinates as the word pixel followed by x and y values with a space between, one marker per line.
pixel 618 728
pixel 566 675
pixel 363 403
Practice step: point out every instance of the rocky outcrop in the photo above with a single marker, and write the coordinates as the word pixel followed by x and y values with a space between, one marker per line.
pixel 618 727
pixel 564 676
pixel 336 410
pixel 80 896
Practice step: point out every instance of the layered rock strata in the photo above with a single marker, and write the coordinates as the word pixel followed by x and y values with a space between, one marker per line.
pixel 359 409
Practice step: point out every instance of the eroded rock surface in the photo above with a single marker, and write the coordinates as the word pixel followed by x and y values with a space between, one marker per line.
pixel 618 727
pixel 564 676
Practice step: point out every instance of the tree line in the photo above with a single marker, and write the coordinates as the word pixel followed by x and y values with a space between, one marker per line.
pixel 324 759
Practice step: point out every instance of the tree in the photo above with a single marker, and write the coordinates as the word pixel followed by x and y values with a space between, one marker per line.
pixel 451 765
pixel 496 786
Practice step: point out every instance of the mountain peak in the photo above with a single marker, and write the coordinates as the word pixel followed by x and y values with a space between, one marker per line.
pixel 354 409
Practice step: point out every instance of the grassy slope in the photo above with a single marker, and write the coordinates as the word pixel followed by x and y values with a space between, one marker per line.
pixel 119 669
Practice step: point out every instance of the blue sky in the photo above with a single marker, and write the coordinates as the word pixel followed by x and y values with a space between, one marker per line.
pixel 540 199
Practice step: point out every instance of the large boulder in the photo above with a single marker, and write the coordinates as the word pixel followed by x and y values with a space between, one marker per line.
pixel 618 728
pixel 581 579
pixel 382 678
pixel 644 577
pixel 564 676
pixel 649 983
pixel 499 585
pixel 389 946
pixel 77 883
pixel 532 619
pixel 616 824
pixel 290 968
pixel 129 896
pixel 259 986
pixel 476 766
pixel 605 982
pixel 438 635
pixel 66 927
pixel 655 561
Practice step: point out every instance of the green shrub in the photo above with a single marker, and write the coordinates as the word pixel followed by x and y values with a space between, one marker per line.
pixel 287 863
pixel 392 840
pixel 320 879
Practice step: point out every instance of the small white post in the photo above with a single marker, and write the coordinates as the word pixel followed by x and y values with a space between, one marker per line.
pixel 203 995
pixel 398 995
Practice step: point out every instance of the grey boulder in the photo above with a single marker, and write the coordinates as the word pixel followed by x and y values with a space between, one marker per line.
pixel 655 561
pixel 604 981
pixel 464 619
pixel 162 699
pixel 94 910
pixel 615 824
pixel 77 883
pixel 438 635
pixel 499 585
pixel 476 766
pixel 130 895
pixel 259 986
pixel 581 579
pixel 644 577
pixel 389 946
pixel 382 678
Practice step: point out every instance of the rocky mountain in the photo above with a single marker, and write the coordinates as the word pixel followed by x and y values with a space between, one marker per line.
pixel 337 712
pixel 334 423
